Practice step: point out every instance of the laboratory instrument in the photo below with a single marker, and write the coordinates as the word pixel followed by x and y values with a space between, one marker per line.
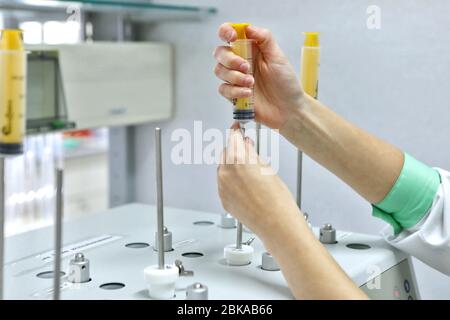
pixel 243 47
pixel 327 234
pixel 2 224
pixel 227 221
pixel 58 239
pixel 12 91
pixel 197 291
pixel 79 269
pixel 160 278
pixel 167 239
pixel 239 254
pixel 309 79
pixel 90 85
pixel 367 259
pixel 268 262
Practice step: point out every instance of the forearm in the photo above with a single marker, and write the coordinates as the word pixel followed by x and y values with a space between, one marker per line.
pixel 369 165
pixel 309 269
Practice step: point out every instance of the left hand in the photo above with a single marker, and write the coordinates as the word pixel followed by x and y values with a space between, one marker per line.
pixel 251 191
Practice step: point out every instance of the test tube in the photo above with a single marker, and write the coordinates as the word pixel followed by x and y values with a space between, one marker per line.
pixel 243 47
pixel 12 92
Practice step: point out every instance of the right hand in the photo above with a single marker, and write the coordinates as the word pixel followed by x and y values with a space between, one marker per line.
pixel 277 90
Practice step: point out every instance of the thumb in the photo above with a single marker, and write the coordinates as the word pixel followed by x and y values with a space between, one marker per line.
pixel 264 38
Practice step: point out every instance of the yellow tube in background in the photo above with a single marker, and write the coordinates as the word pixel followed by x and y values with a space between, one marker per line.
pixel 243 47
pixel 310 62
pixel 12 91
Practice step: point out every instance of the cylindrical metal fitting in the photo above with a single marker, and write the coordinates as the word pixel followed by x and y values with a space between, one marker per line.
pixel 167 238
pixel 327 234
pixel 79 269
pixel 268 262
pixel 227 221
pixel 197 291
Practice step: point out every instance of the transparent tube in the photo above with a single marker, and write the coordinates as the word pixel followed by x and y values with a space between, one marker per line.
pixel 12 99
pixel 244 107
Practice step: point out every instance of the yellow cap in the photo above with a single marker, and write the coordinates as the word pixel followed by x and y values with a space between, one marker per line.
pixel 11 39
pixel 240 29
pixel 311 39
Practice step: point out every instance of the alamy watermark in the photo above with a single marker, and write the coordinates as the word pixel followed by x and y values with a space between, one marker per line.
pixel 198 145
pixel 373 21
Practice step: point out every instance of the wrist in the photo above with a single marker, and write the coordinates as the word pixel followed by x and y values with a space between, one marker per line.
pixel 280 227
pixel 297 116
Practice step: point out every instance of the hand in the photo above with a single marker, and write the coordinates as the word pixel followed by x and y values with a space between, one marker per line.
pixel 276 89
pixel 251 191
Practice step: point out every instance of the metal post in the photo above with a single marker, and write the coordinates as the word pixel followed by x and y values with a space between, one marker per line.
pixel 258 137
pixel 239 229
pixel 299 178
pixel 58 234
pixel 2 224
pixel 159 198
pixel 239 235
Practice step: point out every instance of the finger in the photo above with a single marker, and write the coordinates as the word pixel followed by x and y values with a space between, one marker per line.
pixel 253 157
pixel 227 33
pixel 264 38
pixel 249 141
pixel 236 125
pixel 225 56
pixel 236 147
pixel 233 77
pixel 230 92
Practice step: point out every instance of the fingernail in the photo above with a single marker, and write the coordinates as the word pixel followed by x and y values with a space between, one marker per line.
pixel 247 91
pixel 244 67
pixel 228 34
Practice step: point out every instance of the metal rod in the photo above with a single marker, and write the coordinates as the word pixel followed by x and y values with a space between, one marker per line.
pixel 2 224
pixel 239 229
pixel 258 137
pixel 159 198
pixel 239 235
pixel 299 178
pixel 58 234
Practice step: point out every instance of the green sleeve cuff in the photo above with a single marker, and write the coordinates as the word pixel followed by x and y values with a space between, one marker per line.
pixel 411 196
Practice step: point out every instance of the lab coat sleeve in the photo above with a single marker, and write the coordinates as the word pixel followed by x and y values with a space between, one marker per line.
pixel 429 239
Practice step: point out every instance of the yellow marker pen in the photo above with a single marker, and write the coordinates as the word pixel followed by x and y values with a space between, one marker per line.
pixel 12 91
pixel 243 47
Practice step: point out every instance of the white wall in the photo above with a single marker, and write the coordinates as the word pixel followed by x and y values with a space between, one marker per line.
pixel 393 82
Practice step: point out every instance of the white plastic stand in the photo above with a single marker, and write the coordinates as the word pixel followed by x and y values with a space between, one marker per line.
pixel 238 257
pixel 161 282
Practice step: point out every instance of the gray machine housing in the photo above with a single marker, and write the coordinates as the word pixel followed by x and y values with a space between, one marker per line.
pixel 116 268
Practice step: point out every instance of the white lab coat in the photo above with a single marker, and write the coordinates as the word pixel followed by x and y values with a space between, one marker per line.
pixel 429 240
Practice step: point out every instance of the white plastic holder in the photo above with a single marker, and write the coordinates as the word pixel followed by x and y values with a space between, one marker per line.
pixel 161 282
pixel 238 257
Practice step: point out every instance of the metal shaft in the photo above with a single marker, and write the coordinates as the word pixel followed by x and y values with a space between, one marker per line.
pixel 159 198
pixel 258 137
pixel 239 229
pixel 2 224
pixel 58 234
pixel 299 178
pixel 239 236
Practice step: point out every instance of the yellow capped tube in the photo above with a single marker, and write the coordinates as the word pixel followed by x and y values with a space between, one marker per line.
pixel 243 47
pixel 309 73
pixel 12 92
